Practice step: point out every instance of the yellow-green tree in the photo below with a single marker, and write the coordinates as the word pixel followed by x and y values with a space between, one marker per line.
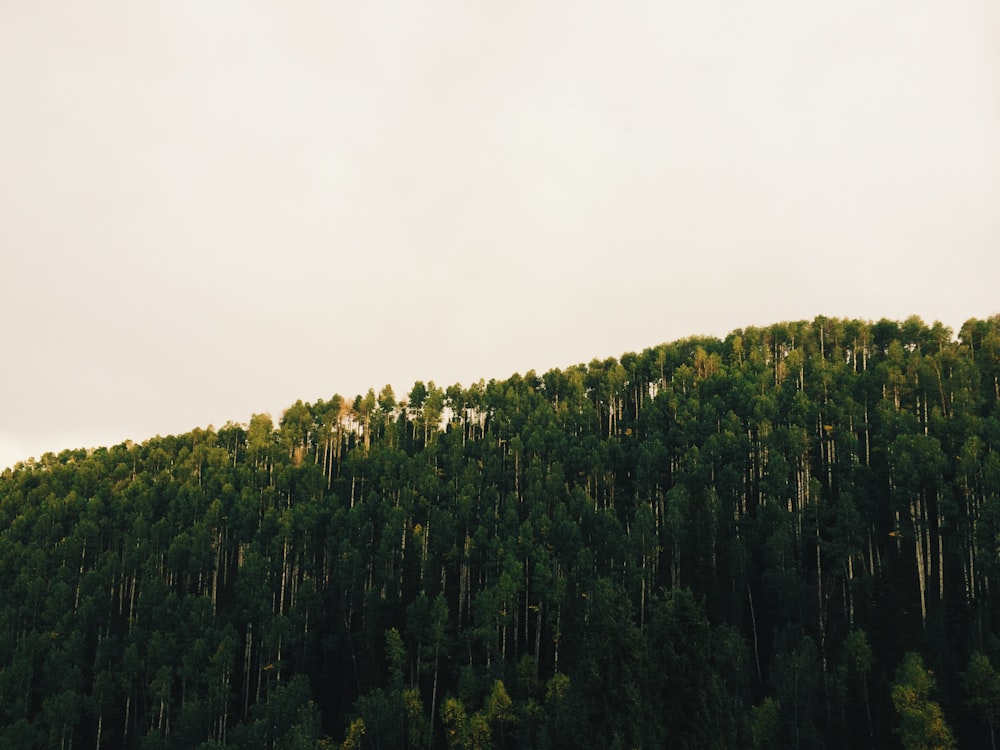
pixel 921 721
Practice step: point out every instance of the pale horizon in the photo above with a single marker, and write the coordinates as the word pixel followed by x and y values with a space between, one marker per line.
pixel 213 210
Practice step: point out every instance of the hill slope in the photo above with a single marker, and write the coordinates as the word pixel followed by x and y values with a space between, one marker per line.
pixel 788 538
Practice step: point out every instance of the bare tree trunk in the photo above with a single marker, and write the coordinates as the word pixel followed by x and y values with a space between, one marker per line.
pixel 753 622
pixel 918 546
pixel 434 690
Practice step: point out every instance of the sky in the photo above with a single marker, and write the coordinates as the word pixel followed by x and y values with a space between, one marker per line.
pixel 210 210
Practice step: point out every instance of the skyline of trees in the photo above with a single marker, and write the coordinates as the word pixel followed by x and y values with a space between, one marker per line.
pixel 758 541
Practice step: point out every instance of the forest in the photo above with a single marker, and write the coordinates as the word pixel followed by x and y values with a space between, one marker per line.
pixel 787 538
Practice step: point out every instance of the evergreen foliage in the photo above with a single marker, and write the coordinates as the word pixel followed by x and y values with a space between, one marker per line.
pixel 785 539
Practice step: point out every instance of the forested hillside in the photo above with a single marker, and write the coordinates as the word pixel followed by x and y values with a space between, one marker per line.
pixel 785 539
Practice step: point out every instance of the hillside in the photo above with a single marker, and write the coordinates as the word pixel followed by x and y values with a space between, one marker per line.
pixel 785 539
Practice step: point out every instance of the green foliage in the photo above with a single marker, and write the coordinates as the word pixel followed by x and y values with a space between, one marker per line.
pixel 686 697
pixel 355 733
pixel 710 543
pixel 982 686
pixel 766 723
pixel 921 722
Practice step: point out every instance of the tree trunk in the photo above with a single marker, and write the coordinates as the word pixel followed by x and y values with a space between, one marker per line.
pixel 918 546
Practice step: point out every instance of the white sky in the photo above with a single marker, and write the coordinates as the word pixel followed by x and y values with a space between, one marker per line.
pixel 211 209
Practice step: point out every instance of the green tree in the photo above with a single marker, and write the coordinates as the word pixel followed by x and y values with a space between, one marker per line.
pixel 921 722
pixel 684 690
pixel 982 685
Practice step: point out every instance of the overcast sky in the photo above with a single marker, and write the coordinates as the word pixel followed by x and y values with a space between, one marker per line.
pixel 212 209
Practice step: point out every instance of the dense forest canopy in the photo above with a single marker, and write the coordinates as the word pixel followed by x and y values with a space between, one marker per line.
pixel 784 539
